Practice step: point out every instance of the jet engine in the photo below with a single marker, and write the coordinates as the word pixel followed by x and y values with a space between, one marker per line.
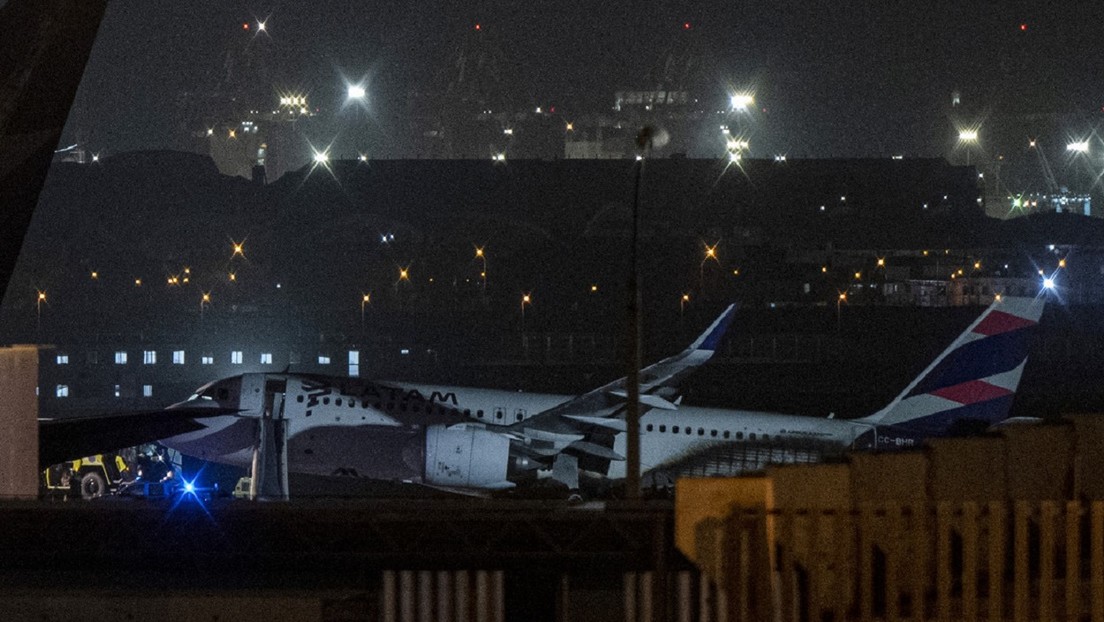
pixel 466 457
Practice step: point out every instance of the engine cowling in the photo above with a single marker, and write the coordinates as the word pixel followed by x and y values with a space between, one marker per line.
pixel 466 457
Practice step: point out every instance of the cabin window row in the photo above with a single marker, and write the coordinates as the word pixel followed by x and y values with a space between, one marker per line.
pixel 689 431
pixel 417 407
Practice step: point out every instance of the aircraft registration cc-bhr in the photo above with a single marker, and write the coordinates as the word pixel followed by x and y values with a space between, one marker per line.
pixel 467 439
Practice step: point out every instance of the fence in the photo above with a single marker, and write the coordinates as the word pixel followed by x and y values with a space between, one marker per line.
pixel 1021 560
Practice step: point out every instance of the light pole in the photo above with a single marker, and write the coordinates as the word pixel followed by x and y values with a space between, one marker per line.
pixel 632 377
pixel 482 256
pixel 839 301
pixel 682 304
pixel 710 253
pixel 41 298
pixel 968 138
pixel 365 299
pixel 525 299
pixel 204 300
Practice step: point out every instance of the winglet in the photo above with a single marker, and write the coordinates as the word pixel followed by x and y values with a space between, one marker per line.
pixel 711 338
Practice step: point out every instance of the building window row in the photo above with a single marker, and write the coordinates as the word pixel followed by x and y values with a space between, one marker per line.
pixel 62 390
pixel 237 357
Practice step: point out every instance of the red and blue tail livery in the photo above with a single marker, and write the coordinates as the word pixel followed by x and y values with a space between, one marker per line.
pixel 974 380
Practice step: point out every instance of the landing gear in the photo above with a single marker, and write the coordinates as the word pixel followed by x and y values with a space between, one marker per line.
pixel 92 485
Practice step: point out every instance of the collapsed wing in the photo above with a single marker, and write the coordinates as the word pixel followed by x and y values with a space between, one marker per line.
pixel 584 427
pixel 68 439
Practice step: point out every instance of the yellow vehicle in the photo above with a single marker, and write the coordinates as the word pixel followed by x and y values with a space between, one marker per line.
pixel 88 477
pixel 241 490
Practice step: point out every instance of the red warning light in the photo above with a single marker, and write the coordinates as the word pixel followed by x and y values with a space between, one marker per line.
pixel 245 25
pixel 479 26
pixel 1023 27
pixel 686 26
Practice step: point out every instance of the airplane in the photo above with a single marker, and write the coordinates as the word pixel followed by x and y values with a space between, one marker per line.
pixel 352 426
pixel 462 438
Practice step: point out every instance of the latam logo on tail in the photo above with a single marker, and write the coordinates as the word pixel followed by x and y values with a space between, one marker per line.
pixel 974 380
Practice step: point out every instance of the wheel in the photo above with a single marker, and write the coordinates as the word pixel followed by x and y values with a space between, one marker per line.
pixel 92 485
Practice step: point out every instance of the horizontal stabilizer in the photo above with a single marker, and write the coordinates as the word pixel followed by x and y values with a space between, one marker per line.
pixel 596 450
pixel 1011 421
pixel 647 399
pixel 617 425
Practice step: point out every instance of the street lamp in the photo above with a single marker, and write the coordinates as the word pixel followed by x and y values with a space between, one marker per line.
pixel 968 137
pixel 682 304
pixel 356 91
pixel 710 253
pixel 482 256
pixel 741 101
pixel 204 300
pixel 525 299
pixel 365 299
pixel 839 301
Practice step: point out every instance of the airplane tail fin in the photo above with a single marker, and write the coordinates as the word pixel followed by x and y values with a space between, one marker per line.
pixel 974 379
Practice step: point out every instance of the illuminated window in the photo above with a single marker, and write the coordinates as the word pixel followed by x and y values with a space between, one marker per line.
pixel 236 357
pixel 178 357
pixel 149 357
pixel 147 390
pixel 63 359
pixel 354 363
pixel 120 358
pixel 62 390
pixel 266 358
pixel 117 391
pixel 323 359
pixel 207 359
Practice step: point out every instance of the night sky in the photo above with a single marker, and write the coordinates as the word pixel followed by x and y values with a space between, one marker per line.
pixel 838 78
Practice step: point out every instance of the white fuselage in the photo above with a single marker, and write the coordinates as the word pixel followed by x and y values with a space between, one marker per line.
pixel 344 428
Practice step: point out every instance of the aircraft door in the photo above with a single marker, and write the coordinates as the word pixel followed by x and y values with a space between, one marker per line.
pixel 275 388
pixel 252 399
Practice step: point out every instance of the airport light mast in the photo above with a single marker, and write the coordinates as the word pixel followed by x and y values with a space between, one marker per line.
pixel 632 377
